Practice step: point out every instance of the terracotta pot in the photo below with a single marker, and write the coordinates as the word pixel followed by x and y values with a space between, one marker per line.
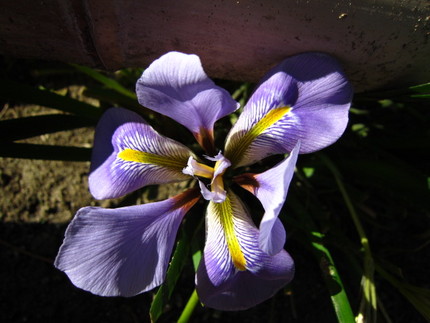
pixel 382 43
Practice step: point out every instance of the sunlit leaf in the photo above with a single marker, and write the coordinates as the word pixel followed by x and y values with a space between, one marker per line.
pixel 308 171
pixel 189 308
pixel 108 82
pixel 112 97
pixel 332 279
pixel 422 88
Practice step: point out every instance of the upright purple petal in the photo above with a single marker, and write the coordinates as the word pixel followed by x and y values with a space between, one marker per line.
pixel 271 188
pixel 129 154
pixel 176 86
pixel 124 251
pixel 221 164
pixel 234 272
pixel 312 97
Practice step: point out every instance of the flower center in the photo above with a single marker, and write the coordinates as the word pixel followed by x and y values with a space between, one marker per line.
pixel 216 193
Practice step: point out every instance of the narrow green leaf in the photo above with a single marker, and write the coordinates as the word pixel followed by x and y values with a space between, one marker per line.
pixel 21 128
pixel 197 256
pixel 190 229
pixel 330 274
pixel 241 91
pixel 45 152
pixel 369 301
pixel 420 96
pixel 165 291
pixel 332 279
pixel 401 94
pixel 108 82
pixel 14 91
pixel 196 252
pixel 112 97
pixel 421 88
pixel 419 297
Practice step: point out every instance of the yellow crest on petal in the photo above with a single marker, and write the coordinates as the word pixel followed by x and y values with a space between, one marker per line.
pixel 148 158
pixel 237 150
pixel 224 212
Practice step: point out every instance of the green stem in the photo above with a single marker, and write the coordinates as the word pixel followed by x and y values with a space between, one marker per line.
pixel 326 263
pixel 189 308
pixel 368 282
pixel 347 200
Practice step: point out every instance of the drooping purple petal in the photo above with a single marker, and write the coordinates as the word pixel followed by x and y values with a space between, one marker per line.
pixel 315 97
pixel 176 86
pixel 245 289
pixel 216 253
pixel 124 251
pixel 129 154
pixel 234 272
pixel 271 188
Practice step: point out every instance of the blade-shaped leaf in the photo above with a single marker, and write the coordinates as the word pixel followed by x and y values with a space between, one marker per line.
pixel 112 97
pixel 332 279
pixel 315 239
pixel 419 297
pixel 108 82
pixel 421 88
pixel 11 90
pixel 45 152
pixel 420 96
pixel 165 291
pixel 21 128
pixel 420 91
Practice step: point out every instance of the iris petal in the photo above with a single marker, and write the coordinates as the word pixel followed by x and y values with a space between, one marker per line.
pixel 176 86
pixel 124 251
pixel 245 289
pixel 217 256
pixel 221 164
pixel 129 154
pixel 231 240
pixel 220 283
pixel 319 95
pixel 271 188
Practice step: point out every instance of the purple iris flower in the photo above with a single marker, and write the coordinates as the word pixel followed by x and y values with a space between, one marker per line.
pixel 300 106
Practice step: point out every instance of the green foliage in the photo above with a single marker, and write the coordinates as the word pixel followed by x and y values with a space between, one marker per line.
pixel 361 208
pixel 164 293
pixel 12 91
pixel 106 81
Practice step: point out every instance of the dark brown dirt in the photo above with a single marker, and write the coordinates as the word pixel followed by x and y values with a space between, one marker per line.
pixel 38 200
